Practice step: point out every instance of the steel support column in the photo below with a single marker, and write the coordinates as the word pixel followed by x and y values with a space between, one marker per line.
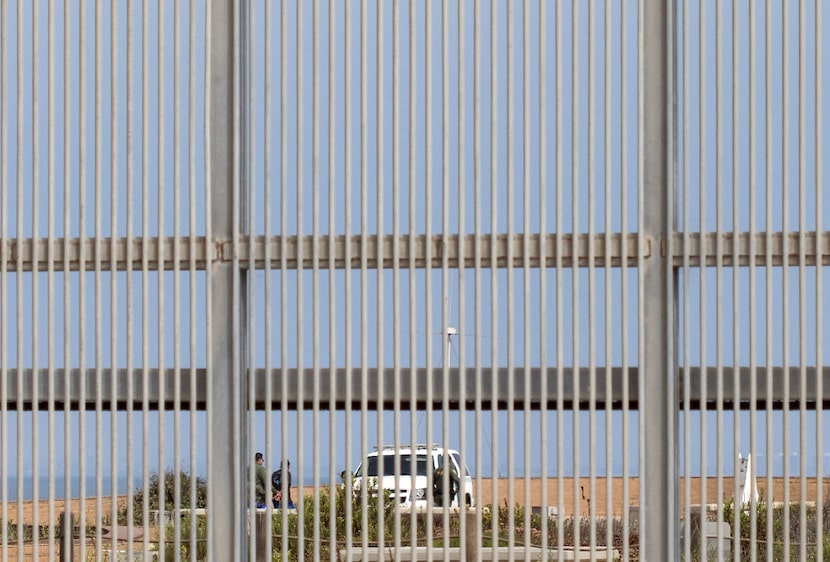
pixel 226 477
pixel 658 421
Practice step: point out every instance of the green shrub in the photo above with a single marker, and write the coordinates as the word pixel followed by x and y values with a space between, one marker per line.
pixel 167 481
pixel 817 539
pixel 327 535
pixel 187 543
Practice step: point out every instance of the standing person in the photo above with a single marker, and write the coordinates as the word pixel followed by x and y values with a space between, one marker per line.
pixel 282 485
pixel 438 485
pixel 261 481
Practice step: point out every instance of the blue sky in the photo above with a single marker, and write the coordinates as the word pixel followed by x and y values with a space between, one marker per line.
pixel 428 179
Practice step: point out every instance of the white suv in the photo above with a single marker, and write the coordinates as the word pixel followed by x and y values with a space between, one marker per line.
pixel 412 486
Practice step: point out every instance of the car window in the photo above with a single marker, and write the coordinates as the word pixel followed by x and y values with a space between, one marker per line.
pixel 420 465
pixel 389 465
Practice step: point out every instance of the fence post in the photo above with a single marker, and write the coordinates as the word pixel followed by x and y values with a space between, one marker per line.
pixel 658 388
pixel 262 530
pixel 227 442
pixel 66 525
pixel 470 536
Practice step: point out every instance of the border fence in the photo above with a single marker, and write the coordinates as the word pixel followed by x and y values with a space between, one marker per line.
pixel 577 247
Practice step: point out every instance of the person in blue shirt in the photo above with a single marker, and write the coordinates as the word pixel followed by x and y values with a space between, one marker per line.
pixel 282 485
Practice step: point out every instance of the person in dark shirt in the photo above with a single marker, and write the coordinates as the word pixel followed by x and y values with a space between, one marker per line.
pixel 282 485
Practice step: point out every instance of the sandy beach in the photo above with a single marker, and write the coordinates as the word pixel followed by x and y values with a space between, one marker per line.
pixel 607 495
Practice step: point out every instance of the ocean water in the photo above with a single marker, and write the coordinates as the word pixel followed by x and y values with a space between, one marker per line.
pixel 23 488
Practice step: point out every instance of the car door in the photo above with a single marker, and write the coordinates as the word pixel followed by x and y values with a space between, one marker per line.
pixel 465 477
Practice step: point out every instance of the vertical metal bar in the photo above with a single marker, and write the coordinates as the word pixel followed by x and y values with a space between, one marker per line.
pixel 145 267
pixel 248 167
pixel 445 339
pixel 592 369
pixel 768 182
pixel 753 294
pixel 526 227
pixel 4 289
pixel 283 282
pixel 820 251
pixel 299 63
pixel 241 227
pixel 379 182
pixel 177 372
pixel 785 276
pixel 333 316
pixel 128 204
pixel 658 398
pixel 478 246
pixel 226 439
pixel 191 200
pixel 114 274
pixel 315 284
pixel 82 165
pixel 624 314
pixel 719 317
pixel 511 281
pixel 703 277
pixel 559 326
pixel 35 286
pixel 802 283
pixel 543 277
pixel 19 275
pixel 575 273
pixel 607 273
pixel 251 503
pixel 364 292
pixel 494 432
pixel 736 331
pixel 51 86
pixel 685 307
pixel 99 360
pixel 464 523
pixel 160 286
pixel 347 162
pixel 397 319
pixel 412 206
pixel 18 323
pixel 209 274
pixel 267 186
pixel 427 202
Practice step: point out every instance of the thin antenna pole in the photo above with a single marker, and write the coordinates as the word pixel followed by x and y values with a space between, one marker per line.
pixel 450 331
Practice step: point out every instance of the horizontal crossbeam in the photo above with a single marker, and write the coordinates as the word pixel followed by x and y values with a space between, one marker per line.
pixel 106 254
pixel 744 249
pixel 326 252
pixel 374 252
pixel 140 388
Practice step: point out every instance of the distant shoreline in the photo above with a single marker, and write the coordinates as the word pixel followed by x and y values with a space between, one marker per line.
pixel 606 496
pixel 123 487
pixel 59 487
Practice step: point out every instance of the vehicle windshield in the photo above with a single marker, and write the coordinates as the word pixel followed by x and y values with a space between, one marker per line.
pixel 371 465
